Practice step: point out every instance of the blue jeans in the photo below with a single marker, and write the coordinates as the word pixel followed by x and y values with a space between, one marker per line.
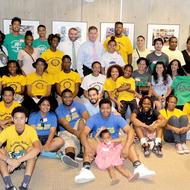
pixel 180 122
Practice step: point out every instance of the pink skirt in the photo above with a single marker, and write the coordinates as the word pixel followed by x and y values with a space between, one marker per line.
pixel 108 155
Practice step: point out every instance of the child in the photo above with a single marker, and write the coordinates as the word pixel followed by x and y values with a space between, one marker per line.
pixel 111 57
pixel 126 90
pixel 108 156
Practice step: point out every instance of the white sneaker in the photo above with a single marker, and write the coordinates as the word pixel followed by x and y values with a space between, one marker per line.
pixel 144 172
pixel 179 148
pixel 84 176
pixel 185 148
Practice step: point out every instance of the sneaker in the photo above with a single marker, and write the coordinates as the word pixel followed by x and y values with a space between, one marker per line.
pixel 157 149
pixel 185 148
pixel 179 148
pixel 79 157
pixel 146 150
pixel 84 176
pixel 23 188
pixel 12 188
pixel 69 161
pixel 144 172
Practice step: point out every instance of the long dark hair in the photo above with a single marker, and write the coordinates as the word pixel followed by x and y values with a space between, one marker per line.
pixel 180 70
pixel 164 74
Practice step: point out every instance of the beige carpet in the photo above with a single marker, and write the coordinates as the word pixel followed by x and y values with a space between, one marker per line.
pixel 173 173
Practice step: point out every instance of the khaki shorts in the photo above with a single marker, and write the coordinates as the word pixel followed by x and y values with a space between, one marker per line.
pixel 70 139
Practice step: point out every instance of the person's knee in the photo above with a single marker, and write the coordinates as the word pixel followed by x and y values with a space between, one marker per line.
pixel 173 120
pixel 184 119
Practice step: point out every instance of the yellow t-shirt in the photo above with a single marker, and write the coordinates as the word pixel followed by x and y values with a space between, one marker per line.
pixel 68 80
pixel 110 86
pixel 186 110
pixel 39 83
pixel 167 114
pixel 54 60
pixel 16 82
pixel 5 113
pixel 124 46
pixel 16 142
pixel 124 95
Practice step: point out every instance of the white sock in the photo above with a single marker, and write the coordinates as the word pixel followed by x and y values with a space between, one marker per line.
pixel 143 141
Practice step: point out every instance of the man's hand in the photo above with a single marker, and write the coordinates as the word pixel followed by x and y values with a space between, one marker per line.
pixel 13 163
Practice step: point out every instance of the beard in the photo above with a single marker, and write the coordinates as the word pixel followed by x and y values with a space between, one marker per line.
pixel 93 101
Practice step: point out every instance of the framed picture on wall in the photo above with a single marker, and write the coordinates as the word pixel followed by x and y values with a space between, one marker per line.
pixel 25 25
pixel 164 31
pixel 62 28
pixel 107 29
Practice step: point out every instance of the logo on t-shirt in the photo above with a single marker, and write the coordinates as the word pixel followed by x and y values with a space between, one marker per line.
pixel 16 45
pixel 55 61
pixel 42 48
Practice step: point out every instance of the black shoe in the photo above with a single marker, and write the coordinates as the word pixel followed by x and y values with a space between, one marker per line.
pixel 146 149
pixel 23 188
pixel 11 188
pixel 157 149
pixel 80 156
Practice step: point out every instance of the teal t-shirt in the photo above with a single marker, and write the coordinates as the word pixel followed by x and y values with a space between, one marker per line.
pixel 181 87
pixel 13 45
pixel 42 45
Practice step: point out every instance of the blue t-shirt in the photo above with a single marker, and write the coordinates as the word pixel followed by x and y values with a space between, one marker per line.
pixel 113 123
pixel 43 124
pixel 92 110
pixel 72 114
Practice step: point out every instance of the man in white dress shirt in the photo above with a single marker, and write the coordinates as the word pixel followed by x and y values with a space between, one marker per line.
pixel 70 47
pixel 89 52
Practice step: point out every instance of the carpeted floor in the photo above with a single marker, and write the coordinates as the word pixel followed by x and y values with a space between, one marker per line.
pixel 173 172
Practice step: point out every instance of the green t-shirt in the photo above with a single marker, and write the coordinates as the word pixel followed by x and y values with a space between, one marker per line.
pixel 181 87
pixel 13 45
pixel 42 45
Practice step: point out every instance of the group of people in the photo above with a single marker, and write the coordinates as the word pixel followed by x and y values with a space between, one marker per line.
pixel 88 101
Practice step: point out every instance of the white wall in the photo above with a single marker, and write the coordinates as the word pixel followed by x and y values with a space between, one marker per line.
pixel 139 12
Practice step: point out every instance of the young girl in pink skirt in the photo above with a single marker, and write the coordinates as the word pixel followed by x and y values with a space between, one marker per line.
pixel 108 156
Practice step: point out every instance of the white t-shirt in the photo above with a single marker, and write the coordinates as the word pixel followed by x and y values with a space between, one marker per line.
pixel 90 81
pixel 159 87
pixel 174 55
pixel 109 59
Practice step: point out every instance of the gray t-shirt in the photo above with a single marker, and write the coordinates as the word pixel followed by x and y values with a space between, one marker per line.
pixel 153 59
